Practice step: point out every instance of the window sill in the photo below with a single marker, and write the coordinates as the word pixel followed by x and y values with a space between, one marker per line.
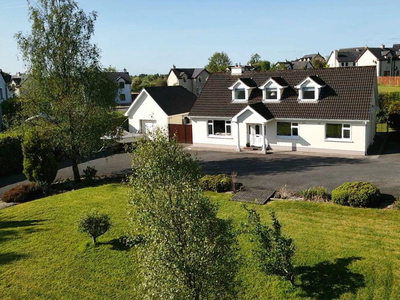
pixel 286 137
pixel 307 100
pixel 271 101
pixel 229 137
pixel 339 140
pixel 239 100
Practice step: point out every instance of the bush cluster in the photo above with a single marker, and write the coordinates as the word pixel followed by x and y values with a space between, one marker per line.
pixel 10 153
pixel 23 193
pixel 217 183
pixel 315 193
pixel 356 194
pixel 41 156
pixel 89 174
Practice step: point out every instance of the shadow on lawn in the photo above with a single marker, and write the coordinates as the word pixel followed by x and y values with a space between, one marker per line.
pixel 7 258
pixel 329 280
pixel 7 232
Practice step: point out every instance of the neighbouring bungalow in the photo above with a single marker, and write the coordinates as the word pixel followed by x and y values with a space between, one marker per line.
pixel 159 107
pixel 315 110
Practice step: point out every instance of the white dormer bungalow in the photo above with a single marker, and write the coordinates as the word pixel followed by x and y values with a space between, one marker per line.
pixel 272 89
pixel 310 89
pixel 241 89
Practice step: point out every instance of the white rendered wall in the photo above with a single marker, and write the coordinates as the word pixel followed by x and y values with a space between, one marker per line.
pixel 127 91
pixel 172 80
pixel 145 108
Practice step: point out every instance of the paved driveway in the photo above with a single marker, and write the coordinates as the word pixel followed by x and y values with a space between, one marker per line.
pixel 271 171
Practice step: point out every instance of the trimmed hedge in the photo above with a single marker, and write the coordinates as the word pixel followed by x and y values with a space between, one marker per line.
pixel 23 193
pixel 217 183
pixel 356 194
pixel 11 158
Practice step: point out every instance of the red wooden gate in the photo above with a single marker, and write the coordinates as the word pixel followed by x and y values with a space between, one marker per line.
pixel 182 133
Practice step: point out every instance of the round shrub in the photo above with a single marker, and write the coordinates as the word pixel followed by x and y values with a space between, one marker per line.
pixel 23 193
pixel 95 224
pixel 356 194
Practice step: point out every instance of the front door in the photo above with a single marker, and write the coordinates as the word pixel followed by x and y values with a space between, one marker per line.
pixel 255 136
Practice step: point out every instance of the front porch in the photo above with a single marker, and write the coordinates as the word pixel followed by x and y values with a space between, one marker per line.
pixel 252 126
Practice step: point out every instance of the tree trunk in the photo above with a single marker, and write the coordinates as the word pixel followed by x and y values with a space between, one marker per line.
pixel 75 169
pixel 94 240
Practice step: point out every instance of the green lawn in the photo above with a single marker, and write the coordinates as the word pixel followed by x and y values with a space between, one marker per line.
pixel 388 89
pixel 342 253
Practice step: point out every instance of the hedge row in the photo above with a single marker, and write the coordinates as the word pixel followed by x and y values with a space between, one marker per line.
pixel 11 157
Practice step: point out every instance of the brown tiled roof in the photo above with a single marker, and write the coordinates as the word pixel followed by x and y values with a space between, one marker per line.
pixel 346 96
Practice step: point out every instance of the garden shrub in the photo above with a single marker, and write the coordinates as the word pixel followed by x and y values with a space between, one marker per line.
pixel 217 183
pixel 23 193
pixel 10 153
pixel 95 224
pixel 315 193
pixel 89 173
pixel 41 157
pixel 356 194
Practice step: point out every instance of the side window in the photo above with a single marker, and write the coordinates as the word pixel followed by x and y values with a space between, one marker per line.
pixel 122 85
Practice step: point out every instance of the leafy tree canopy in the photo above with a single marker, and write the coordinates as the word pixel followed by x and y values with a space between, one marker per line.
pixel 188 253
pixel 218 62
pixel 67 84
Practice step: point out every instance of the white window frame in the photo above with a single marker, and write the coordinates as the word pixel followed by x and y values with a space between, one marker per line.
pixel 228 124
pixel 345 127
pixel 271 84
pixel 292 126
pixel 309 83
pixel 239 99
pixel 240 85
pixel 308 88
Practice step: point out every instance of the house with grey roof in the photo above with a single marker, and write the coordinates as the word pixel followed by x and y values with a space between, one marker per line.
pixel 124 81
pixel 330 110
pixel 311 57
pixel 386 59
pixel 346 57
pixel 192 79
pixel 296 64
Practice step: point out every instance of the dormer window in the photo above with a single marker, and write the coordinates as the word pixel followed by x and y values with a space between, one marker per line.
pixel 240 94
pixel 273 89
pixel 241 89
pixel 271 94
pixel 310 89
pixel 308 93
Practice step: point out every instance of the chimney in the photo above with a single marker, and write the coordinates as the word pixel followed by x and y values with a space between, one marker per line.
pixel 173 67
pixel 237 70
pixel 125 70
pixel 382 46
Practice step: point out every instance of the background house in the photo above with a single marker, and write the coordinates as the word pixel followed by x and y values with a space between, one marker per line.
pixel 5 80
pixel 295 65
pixel 311 57
pixel 159 107
pixel 123 79
pixel 17 81
pixel 345 57
pixel 192 79
pixel 386 60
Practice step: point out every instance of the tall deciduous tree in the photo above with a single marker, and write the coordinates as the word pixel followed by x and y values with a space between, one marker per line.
pixel 189 253
pixel 67 84
pixel 218 62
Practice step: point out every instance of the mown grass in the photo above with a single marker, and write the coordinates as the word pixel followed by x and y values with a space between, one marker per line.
pixel 388 89
pixel 342 253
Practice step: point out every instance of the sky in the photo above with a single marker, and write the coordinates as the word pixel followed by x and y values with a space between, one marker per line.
pixel 149 36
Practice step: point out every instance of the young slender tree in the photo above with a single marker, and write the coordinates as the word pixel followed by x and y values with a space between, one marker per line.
pixel 189 253
pixel 67 84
